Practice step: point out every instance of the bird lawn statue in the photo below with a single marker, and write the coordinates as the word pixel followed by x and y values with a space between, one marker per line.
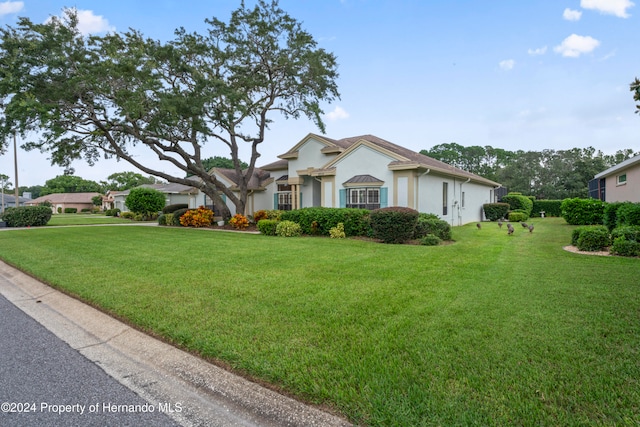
pixel 531 228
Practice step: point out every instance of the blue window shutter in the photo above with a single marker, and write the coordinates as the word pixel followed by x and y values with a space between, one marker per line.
pixel 383 197
pixel 300 206
pixel 343 198
pixel 275 200
pixel 224 198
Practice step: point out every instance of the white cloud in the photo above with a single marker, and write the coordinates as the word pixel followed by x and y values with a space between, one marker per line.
pixel 9 7
pixel 507 64
pixel 88 23
pixel 609 7
pixel 538 51
pixel 338 113
pixel 575 45
pixel 572 15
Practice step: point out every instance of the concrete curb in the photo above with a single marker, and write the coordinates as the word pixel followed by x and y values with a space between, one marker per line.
pixel 198 392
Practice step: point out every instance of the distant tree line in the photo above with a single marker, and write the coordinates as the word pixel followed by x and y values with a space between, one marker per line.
pixel 546 174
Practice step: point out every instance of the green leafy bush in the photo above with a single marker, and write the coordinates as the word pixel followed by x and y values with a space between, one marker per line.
pixel 337 232
pixel 628 214
pixel 549 207
pixel 517 201
pixel 575 234
pixel 274 214
pixel 432 224
pixel 629 232
pixel 145 201
pixel 288 229
pixel 172 208
pixel 27 216
pixel 112 212
pixel 128 215
pixel 70 210
pixel 430 240
pixel 517 216
pixel 583 211
pixel 320 220
pixel 394 224
pixel 267 226
pixel 593 239
pixel 610 214
pixel 495 211
pixel 625 247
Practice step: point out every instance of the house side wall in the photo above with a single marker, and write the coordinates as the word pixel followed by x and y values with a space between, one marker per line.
pixel 309 156
pixel 626 192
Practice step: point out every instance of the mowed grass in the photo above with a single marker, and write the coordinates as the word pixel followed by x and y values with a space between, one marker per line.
pixel 84 219
pixel 491 330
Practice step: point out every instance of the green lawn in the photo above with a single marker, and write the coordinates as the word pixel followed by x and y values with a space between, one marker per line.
pixel 84 219
pixel 490 330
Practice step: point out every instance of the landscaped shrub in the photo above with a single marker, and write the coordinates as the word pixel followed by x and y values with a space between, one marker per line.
pixel 27 216
pixel 112 212
pixel 394 224
pixel 517 201
pixel 177 215
pixel 495 211
pixel 70 210
pixel 86 210
pixel 274 214
pixel 517 216
pixel 260 215
pixel 145 201
pixel 288 229
pixel 128 215
pixel 201 217
pixel 320 220
pixel 430 240
pixel 625 247
pixel 593 239
pixel 549 207
pixel 432 224
pixel 628 214
pixel 583 211
pixel 337 232
pixel 239 222
pixel 172 208
pixel 610 214
pixel 629 232
pixel 267 226
pixel 575 234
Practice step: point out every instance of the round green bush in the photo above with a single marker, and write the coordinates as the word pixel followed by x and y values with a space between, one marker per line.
pixel 394 224
pixel 430 240
pixel 268 226
pixel 624 247
pixel 593 239
pixel 629 232
pixel 145 201
pixel 517 201
pixel 495 211
pixel 431 224
pixel 288 229
pixel 172 208
pixel 517 216
pixel 628 214
pixel 27 216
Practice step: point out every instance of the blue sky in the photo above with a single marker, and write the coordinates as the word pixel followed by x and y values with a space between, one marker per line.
pixel 518 75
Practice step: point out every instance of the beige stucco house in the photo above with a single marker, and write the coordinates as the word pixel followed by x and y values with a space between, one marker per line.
pixel 365 172
pixel 620 183
pixel 61 201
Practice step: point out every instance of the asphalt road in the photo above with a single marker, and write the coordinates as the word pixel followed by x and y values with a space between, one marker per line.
pixel 44 382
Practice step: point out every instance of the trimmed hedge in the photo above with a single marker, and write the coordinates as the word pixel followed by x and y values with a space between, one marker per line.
pixel 517 201
pixel 431 224
pixel 610 214
pixel 268 226
pixel 549 207
pixel 628 214
pixel 625 247
pixel 629 232
pixel 495 211
pixel 517 216
pixel 321 220
pixel 288 228
pixel 27 216
pixel 583 211
pixel 594 238
pixel 70 210
pixel 394 224
pixel 172 208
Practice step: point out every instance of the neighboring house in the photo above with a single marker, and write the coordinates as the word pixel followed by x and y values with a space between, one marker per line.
pixel 364 172
pixel 108 200
pixel 61 201
pixel 9 201
pixel 620 183
pixel 174 194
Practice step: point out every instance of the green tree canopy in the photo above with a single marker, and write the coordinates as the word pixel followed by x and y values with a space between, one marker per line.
pixel 120 181
pixel 98 96
pixel 145 200
pixel 69 184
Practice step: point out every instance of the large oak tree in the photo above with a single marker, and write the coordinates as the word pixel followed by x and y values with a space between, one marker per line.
pixel 94 96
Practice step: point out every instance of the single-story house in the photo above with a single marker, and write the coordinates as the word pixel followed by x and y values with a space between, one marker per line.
pixel 174 194
pixel 620 183
pixel 9 201
pixel 364 172
pixel 61 201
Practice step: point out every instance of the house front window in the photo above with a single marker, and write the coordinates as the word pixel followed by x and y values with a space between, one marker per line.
pixel 284 197
pixel 363 198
